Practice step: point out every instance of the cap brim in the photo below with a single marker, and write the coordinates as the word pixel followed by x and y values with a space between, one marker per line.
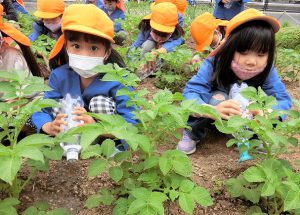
pixel 147 17
pixel 57 47
pixel 162 28
pixel 207 42
pixel 15 34
pixel 271 20
pixel 88 30
pixel 46 15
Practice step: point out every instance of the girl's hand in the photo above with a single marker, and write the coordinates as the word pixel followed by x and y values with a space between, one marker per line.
pixel 55 127
pixel 225 1
pixel 81 116
pixel 228 108
pixel 256 112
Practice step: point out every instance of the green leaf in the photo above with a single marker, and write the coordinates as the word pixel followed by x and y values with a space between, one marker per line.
pixel 136 206
pixel 53 153
pixel 108 147
pixel 97 167
pixel 186 202
pixel 254 174
pixel 58 211
pixel 145 146
pixel 121 206
pixel 91 151
pixel 202 196
pixel 30 152
pixel 231 142
pixel 122 156
pixel 150 162
pixel 36 140
pixel 173 195
pixel 186 186
pixel 9 202
pixel 93 201
pixel 141 193
pixel 292 201
pixel 41 205
pixel 182 165
pixel 116 173
pixel 89 136
pixel 268 189
pixel 31 211
pixel 9 167
pixel 165 165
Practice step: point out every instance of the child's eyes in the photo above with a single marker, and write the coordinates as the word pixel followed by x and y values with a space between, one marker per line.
pixel 94 48
pixel 262 54
pixel 75 46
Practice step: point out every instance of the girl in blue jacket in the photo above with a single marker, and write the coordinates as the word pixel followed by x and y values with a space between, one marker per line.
pixel 84 44
pixel 247 57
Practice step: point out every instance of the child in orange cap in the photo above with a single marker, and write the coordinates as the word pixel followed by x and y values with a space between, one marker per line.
pixel 9 12
pixel 115 10
pixel 50 13
pixel 180 4
pixel 12 58
pixel 227 9
pixel 246 58
pixel 159 33
pixel 84 44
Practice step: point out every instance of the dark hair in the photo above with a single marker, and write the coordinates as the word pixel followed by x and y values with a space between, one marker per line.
pixel 29 58
pixel 62 57
pixel 144 25
pixel 257 36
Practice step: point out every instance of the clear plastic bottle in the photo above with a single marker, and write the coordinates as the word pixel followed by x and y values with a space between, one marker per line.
pixel 72 149
pixel 228 4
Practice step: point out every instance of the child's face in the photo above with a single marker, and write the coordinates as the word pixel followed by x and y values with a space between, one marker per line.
pixel 251 60
pixel 110 5
pixel 217 37
pixel 160 36
pixel 52 20
pixel 81 47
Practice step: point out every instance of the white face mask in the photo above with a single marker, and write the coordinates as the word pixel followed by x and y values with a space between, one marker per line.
pixel 83 65
pixel 53 27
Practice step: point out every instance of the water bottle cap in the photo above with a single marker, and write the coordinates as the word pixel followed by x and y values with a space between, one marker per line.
pixel 72 155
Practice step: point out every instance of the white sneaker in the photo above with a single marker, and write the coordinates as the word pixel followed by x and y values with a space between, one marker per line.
pixel 186 144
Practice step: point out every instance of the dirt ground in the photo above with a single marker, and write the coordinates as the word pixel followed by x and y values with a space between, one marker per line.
pixel 67 185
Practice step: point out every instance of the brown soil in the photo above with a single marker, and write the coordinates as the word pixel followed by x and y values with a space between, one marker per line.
pixel 67 185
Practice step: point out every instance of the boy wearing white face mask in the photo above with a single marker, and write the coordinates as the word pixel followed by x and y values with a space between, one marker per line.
pixel 50 13
pixel 84 44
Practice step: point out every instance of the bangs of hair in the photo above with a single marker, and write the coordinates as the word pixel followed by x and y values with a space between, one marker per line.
pixel 256 36
pixel 75 36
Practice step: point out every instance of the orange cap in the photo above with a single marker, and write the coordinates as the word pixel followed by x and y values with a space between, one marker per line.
pixel 84 18
pixel 180 4
pixel 120 5
pixel 202 30
pixel 13 32
pixel 250 15
pixel 164 17
pixel 20 2
pixel 48 9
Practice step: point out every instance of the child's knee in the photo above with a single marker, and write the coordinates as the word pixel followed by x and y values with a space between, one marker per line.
pixel 147 46
pixel 102 104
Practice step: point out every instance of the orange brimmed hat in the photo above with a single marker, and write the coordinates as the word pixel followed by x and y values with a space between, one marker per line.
pixel 48 9
pixel 164 17
pixel 12 32
pixel 251 15
pixel 84 18
pixel 202 30
pixel 180 4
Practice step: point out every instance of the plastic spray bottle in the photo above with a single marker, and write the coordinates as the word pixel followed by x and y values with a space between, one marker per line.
pixel 235 94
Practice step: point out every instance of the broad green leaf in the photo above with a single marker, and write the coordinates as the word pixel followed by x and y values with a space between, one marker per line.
pixel 93 201
pixel 165 165
pixel 268 189
pixel 186 202
pixel 91 151
pixel 9 202
pixel 5 151
pixel 36 140
pixel 186 186
pixel 254 174
pixel 54 153
pixel 121 206
pixel 89 136
pixel 202 196
pixel 234 186
pixel 231 142
pixel 129 184
pixel 97 167
pixel 141 193
pixel 121 156
pixel 150 162
pixel 38 165
pixel 106 196
pixel 108 147
pixel 145 146
pixel 9 167
pixel 58 211
pixel 292 201
pixel 136 206
pixel 41 205
pixel 30 152
pixel 116 173
pixel 173 195
pixel 253 194
pixel 31 211
pixel 182 165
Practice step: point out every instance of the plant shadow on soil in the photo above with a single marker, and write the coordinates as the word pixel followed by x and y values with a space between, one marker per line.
pixel 67 185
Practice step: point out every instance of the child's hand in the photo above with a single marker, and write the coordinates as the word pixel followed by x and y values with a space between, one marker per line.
pixel 225 1
pixel 228 108
pixel 256 112
pixel 81 116
pixel 55 127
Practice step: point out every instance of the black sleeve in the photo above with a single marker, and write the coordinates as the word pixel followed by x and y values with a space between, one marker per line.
pixel 9 10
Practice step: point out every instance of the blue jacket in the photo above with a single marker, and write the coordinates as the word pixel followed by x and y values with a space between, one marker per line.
pixel 169 45
pixel 221 12
pixel 116 14
pixel 39 29
pixel 199 87
pixel 99 3
pixel 64 80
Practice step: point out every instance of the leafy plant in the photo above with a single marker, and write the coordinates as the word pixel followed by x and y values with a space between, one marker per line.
pixel 288 38
pixel 144 177
pixel 271 184
pixel 288 64
pixel 15 110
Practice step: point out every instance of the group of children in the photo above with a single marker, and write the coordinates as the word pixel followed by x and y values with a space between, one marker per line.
pixel 244 53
